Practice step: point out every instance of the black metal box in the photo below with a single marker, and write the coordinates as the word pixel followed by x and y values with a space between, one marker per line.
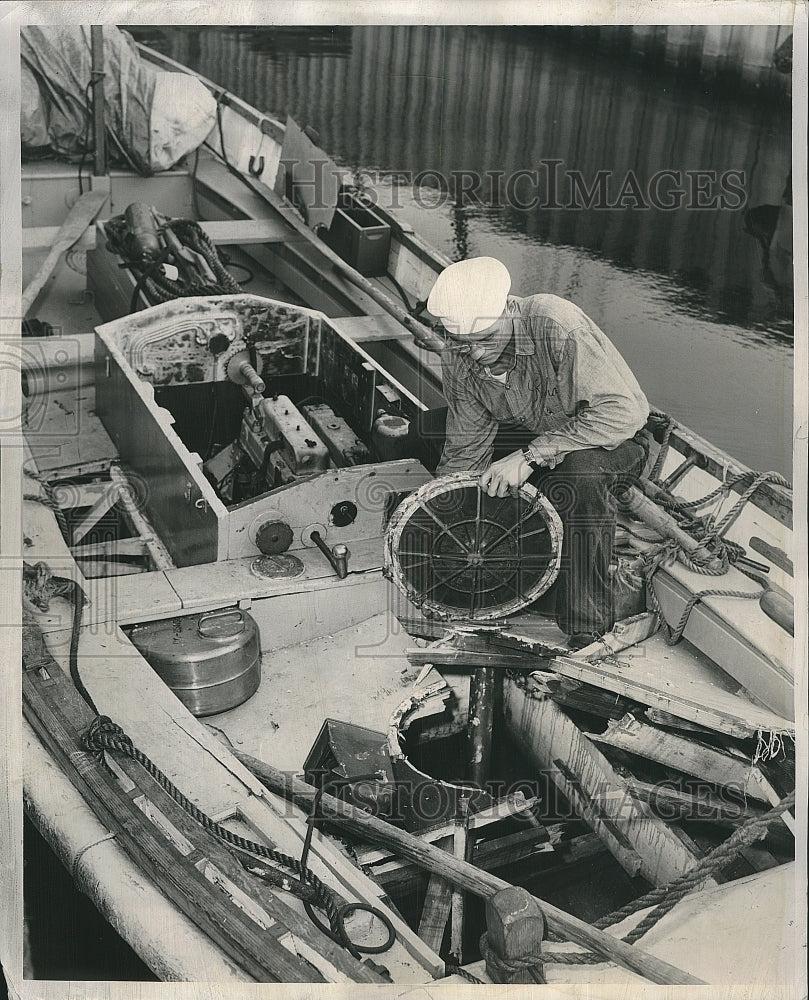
pixel 361 238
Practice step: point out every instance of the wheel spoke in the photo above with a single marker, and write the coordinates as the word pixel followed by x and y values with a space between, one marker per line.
pixel 473 591
pixel 510 531
pixel 445 580
pixel 419 562
pixel 445 528
pixel 492 518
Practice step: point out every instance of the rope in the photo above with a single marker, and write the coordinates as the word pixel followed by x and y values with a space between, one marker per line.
pixel 505 968
pixel 664 447
pixel 453 969
pixel 664 898
pixel 48 501
pixel 714 554
pixel 104 735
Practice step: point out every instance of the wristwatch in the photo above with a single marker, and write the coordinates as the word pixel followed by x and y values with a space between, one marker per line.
pixel 531 458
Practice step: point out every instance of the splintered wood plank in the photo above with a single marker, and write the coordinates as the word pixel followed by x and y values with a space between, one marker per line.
pixel 712 765
pixel 437 905
pixel 641 842
pixel 693 695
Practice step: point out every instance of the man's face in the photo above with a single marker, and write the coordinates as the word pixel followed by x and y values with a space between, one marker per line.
pixel 484 347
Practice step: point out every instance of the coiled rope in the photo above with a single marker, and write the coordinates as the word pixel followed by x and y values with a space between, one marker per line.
pixel 714 554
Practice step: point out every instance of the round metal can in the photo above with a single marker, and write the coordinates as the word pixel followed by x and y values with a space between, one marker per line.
pixel 211 661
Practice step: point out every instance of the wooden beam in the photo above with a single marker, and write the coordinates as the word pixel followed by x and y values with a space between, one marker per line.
pixel 702 703
pixel 73 228
pixel 640 841
pixel 103 504
pixel 685 755
pixel 442 654
pixel 460 843
pixel 126 495
pixel 244 232
pixel 483 884
pixel 437 905
pixel 44 237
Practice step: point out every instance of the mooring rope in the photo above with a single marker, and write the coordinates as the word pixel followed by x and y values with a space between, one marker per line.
pixel 714 554
pixel 664 898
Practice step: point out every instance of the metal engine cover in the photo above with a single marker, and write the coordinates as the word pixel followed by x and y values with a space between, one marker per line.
pixel 211 661
pixel 458 553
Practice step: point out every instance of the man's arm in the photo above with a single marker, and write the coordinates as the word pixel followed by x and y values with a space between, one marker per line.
pixel 471 429
pixel 596 375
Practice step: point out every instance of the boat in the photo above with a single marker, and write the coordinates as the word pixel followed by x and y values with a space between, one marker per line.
pixel 227 471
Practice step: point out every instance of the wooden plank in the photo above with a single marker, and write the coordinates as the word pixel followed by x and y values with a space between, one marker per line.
pixel 245 232
pixel 103 504
pixel 685 696
pixel 776 556
pixel 575 694
pixel 437 905
pixel 624 634
pixel 69 438
pixel 748 653
pixel 639 840
pixel 146 533
pixel 451 656
pixel 44 237
pixel 462 873
pixel 460 842
pixel 370 329
pixel 674 751
pixel 73 228
pixel 676 804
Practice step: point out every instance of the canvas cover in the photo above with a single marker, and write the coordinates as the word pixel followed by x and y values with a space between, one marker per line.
pixel 153 118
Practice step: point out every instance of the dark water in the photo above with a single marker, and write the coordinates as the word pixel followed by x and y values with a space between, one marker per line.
pixel 682 292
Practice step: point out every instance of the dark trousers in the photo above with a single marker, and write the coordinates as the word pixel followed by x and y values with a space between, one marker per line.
pixel 582 490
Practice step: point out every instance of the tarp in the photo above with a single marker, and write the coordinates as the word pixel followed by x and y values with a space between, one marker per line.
pixel 152 118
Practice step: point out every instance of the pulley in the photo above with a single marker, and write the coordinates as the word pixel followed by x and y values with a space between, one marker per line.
pixel 456 552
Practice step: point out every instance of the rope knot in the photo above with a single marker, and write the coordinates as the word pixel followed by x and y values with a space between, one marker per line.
pixel 505 968
pixel 104 734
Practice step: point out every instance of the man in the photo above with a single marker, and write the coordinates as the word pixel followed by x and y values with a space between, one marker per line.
pixel 538 367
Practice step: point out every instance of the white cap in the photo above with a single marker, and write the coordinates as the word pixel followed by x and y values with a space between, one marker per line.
pixel 470 296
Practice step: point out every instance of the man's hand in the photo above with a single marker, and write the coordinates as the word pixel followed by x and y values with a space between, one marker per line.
pixel 506 474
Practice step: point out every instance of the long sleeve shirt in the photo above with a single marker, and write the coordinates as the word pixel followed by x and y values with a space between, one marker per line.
pixel 568 386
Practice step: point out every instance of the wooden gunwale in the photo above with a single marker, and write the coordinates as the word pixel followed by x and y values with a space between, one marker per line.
pixel 58 716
